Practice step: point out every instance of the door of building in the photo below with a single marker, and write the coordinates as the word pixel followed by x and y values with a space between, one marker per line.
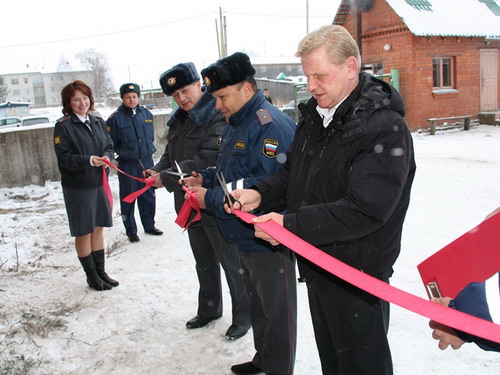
pixel 489 80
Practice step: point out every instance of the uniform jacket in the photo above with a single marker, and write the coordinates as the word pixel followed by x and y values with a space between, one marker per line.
pixel 74 144
pixel 193 141
pixel 132 135
pixel 253 145
pixel 347 187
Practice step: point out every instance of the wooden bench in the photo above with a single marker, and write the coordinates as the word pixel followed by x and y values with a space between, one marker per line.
pixel 465 119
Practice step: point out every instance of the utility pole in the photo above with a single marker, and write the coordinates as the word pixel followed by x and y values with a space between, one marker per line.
pixel 307 17
pixel 221 34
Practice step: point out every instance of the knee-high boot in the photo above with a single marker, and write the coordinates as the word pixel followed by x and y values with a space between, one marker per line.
pixel 93 278
pixel 99 266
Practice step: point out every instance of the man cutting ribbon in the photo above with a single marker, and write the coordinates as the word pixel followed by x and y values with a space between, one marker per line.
pixel 346 188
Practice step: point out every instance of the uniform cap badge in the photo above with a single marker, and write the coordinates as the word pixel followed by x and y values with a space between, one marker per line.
pixel 171 81
pixel 207 81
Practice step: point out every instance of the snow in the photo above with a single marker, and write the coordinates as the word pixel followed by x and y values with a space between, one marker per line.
pixel 449 18
pixel 52 323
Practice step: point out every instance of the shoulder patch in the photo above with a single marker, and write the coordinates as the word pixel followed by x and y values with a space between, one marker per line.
pixel 270 148
pixel 264 116
pixel 57 140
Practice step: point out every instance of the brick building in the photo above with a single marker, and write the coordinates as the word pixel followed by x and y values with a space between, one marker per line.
pixel 446 52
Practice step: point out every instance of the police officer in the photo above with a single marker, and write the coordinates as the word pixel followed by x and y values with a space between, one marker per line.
pixel 193 142
pixel 132 131
pixel 253 146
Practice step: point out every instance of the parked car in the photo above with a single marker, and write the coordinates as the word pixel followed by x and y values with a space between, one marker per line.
pixel 10 122
pixel 35 120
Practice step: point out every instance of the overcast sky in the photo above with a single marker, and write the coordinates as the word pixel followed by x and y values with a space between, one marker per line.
pixel 141 39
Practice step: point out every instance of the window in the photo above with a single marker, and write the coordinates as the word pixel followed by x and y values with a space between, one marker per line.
pixel 14 81
pixel 374 69
pixel 26 80
pixel 263 69
pixel 442 72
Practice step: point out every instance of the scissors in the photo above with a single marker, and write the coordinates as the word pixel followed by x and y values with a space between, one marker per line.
pixel 228 197
pixel 181 174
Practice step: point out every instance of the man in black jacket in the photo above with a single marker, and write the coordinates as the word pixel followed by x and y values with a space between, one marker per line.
pixel 346 185
pixel 193 141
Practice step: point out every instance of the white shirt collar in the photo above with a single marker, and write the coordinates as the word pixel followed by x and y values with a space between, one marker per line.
pixel 82 119
pixel 327 113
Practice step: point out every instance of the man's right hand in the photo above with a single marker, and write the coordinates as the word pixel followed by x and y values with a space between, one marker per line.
pixel 196 180
pixel 149 173
pixel 247 200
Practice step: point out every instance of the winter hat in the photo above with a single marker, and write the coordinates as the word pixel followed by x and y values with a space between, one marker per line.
pixel 129 87
pixel 177 77
pixel 227 71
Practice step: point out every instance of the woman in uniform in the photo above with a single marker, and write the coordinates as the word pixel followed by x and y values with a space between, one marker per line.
pixel 82 145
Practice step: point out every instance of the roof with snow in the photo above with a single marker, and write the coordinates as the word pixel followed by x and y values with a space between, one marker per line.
pixel 479 18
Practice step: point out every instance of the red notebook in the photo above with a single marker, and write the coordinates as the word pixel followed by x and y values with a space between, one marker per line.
pixel 474 256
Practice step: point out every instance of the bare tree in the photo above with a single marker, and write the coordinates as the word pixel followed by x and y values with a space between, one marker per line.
pixel 98 64
pixel 3 90
pixel 64 65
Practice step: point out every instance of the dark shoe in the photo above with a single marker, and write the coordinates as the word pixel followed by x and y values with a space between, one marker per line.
pixel 133 238
pixel 99 267
pixel 154 232
pixel 235 332
pixel 247 368
pixel 199 321
pixel 93 279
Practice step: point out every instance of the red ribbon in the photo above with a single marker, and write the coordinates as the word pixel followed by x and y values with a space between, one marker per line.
pixel 434 311
pixel 190 204
pixel 107 189
pixel 132 197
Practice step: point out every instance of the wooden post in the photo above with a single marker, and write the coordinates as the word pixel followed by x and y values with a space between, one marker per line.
pixel 467 123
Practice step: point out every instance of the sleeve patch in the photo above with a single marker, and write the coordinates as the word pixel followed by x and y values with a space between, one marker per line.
pixel 270 148
pixel 264 116
pixel 57 140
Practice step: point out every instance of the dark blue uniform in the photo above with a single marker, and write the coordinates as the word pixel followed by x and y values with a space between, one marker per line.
pixel 253 146
pixel 133 135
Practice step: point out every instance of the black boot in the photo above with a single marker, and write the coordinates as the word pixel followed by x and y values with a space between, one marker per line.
pixel 99 267
pixel 93 278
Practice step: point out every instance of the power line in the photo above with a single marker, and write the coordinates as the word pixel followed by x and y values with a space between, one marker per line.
pixel 106 34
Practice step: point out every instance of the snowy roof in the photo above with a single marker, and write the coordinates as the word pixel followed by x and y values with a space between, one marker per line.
pixel 449 17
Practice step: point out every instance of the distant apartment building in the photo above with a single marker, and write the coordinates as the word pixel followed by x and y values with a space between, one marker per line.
pixel 41 89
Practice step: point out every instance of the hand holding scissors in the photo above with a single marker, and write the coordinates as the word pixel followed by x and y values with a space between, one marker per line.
pixel 228 197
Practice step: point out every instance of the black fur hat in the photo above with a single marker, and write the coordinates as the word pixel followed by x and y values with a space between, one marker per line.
pixel 227 71
pixel 129 87
pixel 177 77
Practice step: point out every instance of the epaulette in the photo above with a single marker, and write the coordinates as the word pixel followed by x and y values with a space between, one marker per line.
pixel 112 115
pixel 264 116
pixel 64 118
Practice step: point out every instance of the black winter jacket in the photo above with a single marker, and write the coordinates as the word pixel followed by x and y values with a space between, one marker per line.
pixel 347 187
pixel 74 144
pixel 193 141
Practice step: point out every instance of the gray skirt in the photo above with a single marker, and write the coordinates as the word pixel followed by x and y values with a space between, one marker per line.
pixel 86 209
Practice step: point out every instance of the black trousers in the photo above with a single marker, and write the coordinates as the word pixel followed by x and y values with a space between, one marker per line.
pixel 210 252
pixel 350 327
pixel 272 294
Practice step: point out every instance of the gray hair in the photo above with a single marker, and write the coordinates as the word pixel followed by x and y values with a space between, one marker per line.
pixel 339 44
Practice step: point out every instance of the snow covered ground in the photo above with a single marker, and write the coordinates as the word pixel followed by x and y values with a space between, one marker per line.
pixel 52 323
